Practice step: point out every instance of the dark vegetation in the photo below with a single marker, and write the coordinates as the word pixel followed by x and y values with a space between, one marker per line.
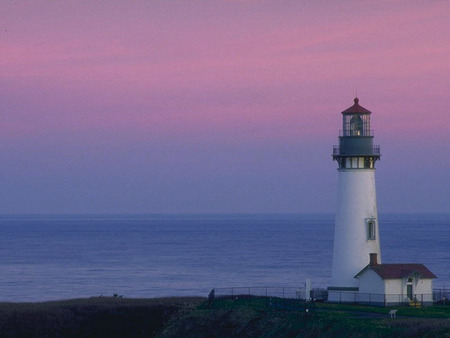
pixel 195 317
pixel 92 317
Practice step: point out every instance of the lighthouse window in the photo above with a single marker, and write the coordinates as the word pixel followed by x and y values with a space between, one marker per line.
pixel 360 162
pixel 371 229
pixel 368 162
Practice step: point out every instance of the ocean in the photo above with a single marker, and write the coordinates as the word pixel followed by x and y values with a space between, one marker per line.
pixel 71 256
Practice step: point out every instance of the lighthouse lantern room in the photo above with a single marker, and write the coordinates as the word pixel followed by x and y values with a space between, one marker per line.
pixel 356 224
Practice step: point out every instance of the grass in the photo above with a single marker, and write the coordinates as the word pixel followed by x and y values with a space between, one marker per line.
pixel 424 312
pixel 228 317
pixel 252 317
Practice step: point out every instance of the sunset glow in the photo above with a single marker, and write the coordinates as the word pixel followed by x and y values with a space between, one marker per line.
pixel 218 106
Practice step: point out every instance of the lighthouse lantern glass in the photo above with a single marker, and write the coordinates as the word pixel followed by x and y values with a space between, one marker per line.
pixel 356 125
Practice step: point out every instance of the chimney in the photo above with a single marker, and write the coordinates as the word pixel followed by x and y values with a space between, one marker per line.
pixel 373 259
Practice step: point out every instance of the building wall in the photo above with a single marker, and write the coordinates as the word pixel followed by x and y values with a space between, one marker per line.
pixel 395 291
pixel 337 296
pixel 371 282
pixel 395 286
pixel 423 286
pixel 423 289
pixel 371 288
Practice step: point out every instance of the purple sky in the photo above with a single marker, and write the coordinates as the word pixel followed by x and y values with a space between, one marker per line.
pixel 218 106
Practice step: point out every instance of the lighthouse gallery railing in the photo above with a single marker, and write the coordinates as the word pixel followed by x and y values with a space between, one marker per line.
pixel 375 150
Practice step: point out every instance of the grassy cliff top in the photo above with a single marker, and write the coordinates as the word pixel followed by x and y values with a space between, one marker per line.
pixel 195 317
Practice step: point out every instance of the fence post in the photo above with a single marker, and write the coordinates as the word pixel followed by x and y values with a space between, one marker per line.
pixel 283 292
pixel 267 300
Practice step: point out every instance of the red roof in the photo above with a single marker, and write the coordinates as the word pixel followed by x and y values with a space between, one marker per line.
pixel 356 109
pixel 395 271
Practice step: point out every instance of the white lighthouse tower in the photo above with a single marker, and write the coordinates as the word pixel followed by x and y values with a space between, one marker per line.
pixel 356 224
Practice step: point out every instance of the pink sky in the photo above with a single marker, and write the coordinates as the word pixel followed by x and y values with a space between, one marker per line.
pixel 218 106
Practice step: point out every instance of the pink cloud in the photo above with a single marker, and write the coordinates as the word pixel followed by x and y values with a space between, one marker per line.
pixel 219 69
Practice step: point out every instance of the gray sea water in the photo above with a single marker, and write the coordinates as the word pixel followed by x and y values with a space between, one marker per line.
pixel 70 256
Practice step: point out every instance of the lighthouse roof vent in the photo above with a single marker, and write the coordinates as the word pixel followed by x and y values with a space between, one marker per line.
pixel 356 109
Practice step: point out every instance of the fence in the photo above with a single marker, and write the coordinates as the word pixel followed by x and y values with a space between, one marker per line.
pixel 278 297
pixel 441 296
pixel 438 297
pixel 377 299
pixel 316 294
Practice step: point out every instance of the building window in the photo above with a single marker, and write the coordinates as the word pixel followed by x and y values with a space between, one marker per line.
pixel 371 231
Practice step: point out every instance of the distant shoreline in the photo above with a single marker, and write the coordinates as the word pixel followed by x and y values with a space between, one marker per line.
pixel 161 215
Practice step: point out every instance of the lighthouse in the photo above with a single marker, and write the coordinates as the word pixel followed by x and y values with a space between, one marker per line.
pixel 356 233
